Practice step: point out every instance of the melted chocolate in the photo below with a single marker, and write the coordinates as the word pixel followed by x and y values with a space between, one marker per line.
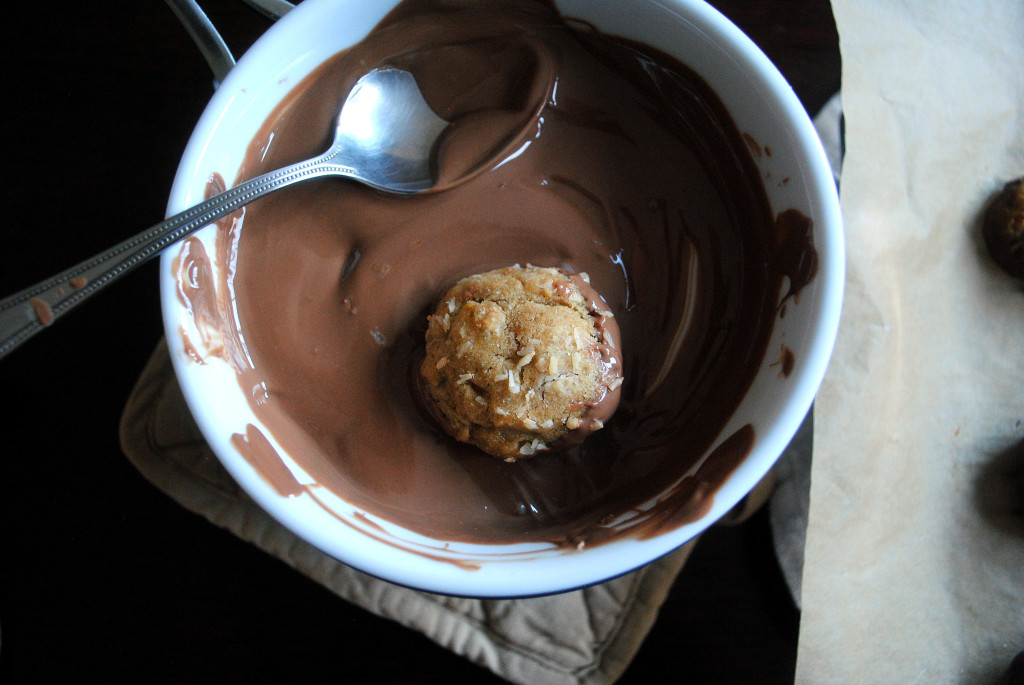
pixel 567 148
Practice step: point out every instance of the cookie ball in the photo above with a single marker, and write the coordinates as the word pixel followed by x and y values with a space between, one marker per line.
pixel 522 360
pixel 1003 228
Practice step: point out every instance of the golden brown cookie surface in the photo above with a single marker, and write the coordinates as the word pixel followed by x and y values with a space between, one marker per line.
pixel 520 360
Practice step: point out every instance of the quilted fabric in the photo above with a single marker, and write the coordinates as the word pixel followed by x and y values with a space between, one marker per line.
pixel 584 636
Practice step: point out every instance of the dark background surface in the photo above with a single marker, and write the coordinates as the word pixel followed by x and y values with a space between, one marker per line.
pixel 104 578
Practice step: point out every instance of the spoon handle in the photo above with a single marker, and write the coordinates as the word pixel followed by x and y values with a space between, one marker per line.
pixel 24 314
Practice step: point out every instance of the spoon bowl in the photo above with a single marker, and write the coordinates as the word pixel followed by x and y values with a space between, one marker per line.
pixel 386 133
pixel 384 138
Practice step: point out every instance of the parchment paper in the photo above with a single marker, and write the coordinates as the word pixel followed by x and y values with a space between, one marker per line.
pixel 914 566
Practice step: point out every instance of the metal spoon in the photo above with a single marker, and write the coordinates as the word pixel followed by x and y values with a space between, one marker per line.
pixel 384 137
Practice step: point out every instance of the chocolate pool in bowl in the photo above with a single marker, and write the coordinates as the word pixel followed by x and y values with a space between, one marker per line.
pixel 671 164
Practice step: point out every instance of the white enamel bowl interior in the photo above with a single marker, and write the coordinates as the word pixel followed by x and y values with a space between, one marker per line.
pixel 762 105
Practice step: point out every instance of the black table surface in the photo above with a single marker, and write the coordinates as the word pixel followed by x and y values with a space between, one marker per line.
pixel 103 578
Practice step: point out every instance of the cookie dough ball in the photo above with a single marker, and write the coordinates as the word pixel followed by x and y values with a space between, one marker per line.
pixel 1003 228
pixel 521 360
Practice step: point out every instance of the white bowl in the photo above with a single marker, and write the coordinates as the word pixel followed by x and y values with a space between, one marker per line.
pixel 762 105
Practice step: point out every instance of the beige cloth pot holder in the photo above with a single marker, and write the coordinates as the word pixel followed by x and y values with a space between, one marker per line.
pixel 585 636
